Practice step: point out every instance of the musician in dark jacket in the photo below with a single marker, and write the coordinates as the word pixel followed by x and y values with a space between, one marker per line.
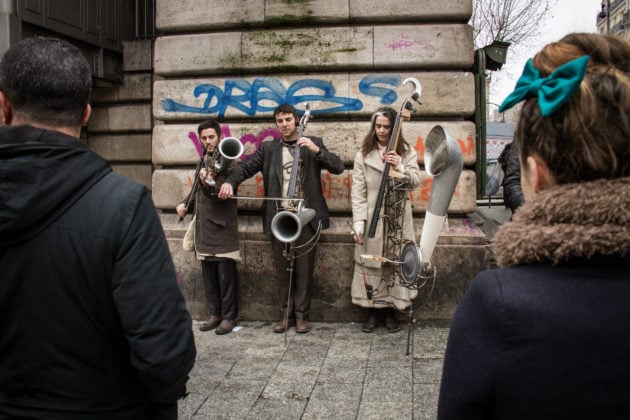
pixel 547 335
pixel 215 240
pixel 274 160
pixel 93 324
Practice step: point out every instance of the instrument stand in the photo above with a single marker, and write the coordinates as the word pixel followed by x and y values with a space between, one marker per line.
pixel 289 254
pixel 409 328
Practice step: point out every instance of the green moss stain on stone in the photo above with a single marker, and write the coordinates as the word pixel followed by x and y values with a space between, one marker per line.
pixel 273 59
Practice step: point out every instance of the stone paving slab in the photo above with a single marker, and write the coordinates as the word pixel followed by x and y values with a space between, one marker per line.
pixel 335 371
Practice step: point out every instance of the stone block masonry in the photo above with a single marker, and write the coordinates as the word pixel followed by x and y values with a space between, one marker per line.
pixel 120 126
pixel 236 61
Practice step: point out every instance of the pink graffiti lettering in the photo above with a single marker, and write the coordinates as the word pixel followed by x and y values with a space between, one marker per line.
pixel 404 43
pixel 253 140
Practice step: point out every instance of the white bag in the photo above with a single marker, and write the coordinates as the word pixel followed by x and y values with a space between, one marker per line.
pixel 494 178
pixel 189 237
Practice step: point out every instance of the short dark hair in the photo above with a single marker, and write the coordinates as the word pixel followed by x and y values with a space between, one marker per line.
pixel 286 109
pixel 46 80
pixel 214 124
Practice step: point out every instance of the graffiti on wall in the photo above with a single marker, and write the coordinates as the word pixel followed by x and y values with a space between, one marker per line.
pixel 264 94
pixel 250 141
pixel 403 42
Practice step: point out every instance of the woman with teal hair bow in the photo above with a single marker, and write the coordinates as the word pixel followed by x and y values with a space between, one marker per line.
pixel 547 334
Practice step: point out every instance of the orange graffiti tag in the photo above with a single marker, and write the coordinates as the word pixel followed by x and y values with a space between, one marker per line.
pixel 260 186
pixel 468 148
pixel 419 146
pixel 425 189
pixel 334 186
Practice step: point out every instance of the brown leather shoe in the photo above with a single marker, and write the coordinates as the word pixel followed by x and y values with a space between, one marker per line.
pixel 210 324
pixel 281 326
pixel 302 326
pixel 226 326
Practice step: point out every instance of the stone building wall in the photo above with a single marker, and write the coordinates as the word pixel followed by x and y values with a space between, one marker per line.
pixel 237 60
pixel 121 122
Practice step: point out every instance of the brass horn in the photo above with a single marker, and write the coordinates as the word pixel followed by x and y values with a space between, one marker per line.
pixel 230 148
pixel 286 226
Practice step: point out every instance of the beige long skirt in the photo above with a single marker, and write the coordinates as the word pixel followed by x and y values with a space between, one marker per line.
pixel 385 294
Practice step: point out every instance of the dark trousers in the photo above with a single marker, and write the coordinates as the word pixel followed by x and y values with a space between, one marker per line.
pixel 299 303
pixel 220 281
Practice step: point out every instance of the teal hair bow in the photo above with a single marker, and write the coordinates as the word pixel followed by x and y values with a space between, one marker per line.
pixel 552 91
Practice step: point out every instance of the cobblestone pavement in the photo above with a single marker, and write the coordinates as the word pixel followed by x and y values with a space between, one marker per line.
pixel 334 372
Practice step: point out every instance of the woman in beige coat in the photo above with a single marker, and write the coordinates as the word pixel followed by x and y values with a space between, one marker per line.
pixel 369 163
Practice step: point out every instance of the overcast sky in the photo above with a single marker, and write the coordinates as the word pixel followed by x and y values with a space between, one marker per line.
pixel 566 17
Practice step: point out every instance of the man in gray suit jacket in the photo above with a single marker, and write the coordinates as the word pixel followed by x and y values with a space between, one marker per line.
pixel 274 159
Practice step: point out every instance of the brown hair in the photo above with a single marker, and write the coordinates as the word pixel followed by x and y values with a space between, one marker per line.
pixel 286 109
pixel 370 141
pixel 214 124
pixel 588 138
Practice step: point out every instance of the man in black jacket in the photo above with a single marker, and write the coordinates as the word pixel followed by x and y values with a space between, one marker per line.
pixel 274 159
pixel 93 322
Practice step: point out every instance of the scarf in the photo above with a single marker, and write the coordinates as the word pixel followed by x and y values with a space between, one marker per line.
pixel 566 222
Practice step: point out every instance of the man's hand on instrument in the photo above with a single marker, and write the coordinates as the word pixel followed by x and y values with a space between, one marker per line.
pixel 226 191
pixel 306 142
pixel 181 209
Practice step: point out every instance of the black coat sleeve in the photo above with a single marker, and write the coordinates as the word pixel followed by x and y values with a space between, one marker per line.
pixel 512 192
pixel 151 307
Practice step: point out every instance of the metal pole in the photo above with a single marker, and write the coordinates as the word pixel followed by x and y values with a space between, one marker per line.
pixel 607 17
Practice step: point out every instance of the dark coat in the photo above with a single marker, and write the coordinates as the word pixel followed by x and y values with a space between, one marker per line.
pixel 541 342
pixel 548 336
pixel 511 166
pixel 268 160
pixel 93 322
pixel 216 228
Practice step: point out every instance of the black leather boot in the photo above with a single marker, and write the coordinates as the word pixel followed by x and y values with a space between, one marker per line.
pixel 391 323
pixel 370 323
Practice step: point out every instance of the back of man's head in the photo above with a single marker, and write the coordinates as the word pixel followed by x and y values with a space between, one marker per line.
pixel 47 82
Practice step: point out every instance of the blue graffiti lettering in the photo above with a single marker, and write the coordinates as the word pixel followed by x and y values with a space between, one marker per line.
pixel 256 97
pixel 388 96
pixel 328 90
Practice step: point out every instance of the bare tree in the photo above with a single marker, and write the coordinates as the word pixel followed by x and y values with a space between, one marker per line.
pixel 514 21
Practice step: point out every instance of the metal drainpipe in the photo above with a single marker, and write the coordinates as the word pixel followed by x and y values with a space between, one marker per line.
pixel 480 121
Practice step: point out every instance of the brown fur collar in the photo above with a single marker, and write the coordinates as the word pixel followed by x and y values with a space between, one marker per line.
pixel 566 222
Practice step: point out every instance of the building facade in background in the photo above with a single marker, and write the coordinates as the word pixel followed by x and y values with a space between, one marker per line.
pixel 614 18
pixel 176 63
